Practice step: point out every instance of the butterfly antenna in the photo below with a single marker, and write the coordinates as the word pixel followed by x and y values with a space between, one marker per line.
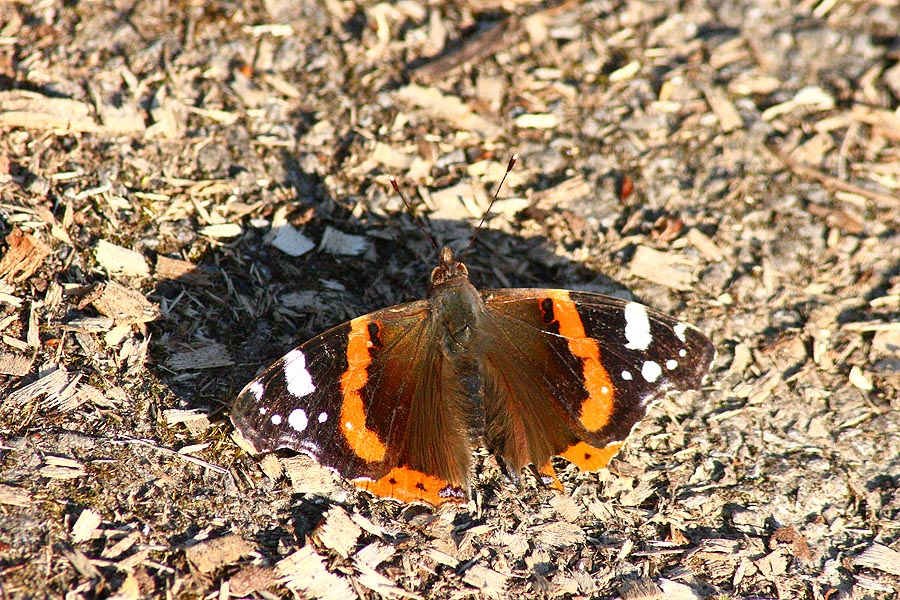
pixel 414 215
pixel 509 166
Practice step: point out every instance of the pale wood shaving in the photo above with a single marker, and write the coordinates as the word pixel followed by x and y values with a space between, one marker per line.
pixel 489 582
pixel 448 108
pixel 16 365
pixel 14 496
pixel 222 230
pixel 122 546
pixel 211 355
pixel 335 241
pixel 86 526
pixel 305 570
pixel 210 555
pixel 81 563
pixel 124 305
pixel 30 110
pixel 560 534
pixel 879 557
pixel 121 261
pixel 662 268
pixel 52 383
pixel 338 532
pixel 374 554
pixel 60 467
pixel 307 476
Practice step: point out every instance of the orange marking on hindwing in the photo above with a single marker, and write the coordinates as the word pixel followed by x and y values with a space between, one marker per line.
pixel 598 408
pixel 409 485
pixel 362 440
pixel 590 458
pixel 549 472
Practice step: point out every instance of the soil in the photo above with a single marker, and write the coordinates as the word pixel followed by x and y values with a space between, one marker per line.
pixel 189 189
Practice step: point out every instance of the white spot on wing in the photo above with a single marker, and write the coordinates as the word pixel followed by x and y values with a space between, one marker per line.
pixel 349 426
pixel 637 327
pixel 263 410
pixel 323 416
pixel 682 353
pixel 626 375
pixel 671 364
pixel 276 419
pixel 651 371
pixel 297 419
pixel 256 388
pixel 296 376
pixel 680 329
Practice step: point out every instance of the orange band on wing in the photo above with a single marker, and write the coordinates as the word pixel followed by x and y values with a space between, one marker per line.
pixel 362 440
pixel 409 485
pixel 598 408
pixel 549 472
pixel 590 458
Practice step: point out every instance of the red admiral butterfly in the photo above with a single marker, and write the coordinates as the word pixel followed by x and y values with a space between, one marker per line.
pixel 396 400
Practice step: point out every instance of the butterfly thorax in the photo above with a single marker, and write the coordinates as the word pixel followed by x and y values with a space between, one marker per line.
pixel 456 306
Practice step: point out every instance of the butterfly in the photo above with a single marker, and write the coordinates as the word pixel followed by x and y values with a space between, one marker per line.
pixel 396 400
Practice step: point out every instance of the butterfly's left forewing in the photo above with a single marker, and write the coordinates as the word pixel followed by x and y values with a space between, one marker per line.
pixel 600 362
pixel 373 400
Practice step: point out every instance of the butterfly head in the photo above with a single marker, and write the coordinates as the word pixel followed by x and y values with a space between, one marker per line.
pixel 448 269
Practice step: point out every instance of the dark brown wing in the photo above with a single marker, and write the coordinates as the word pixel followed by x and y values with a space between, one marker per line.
pixel 374 400
pixel 571 373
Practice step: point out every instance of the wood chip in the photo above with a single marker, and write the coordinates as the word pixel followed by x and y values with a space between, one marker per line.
pixel 61 467
pixel 305 570
pixel 488 581
pixel 673 590
pixel 335 241
pixel 448 108
pixel 290 240
pixel 181 270
pixel 14 496
pixel 721 104
pixel 121 261
pixel 222 230
pixel 560 534
pixel 30 110
pixel 85 527
pixel 210 555
pixel 121 546
pixel 307 476
pixel 17 365
pixel 125 306
pixel 52 383
pixel 640 589
pixel 338 532
pixel 662 268
pixel 537 121
pixel 705 245
pixel 250 579
pixel 81 563
pixel 24 256
pixel 880 557
pixel 212 355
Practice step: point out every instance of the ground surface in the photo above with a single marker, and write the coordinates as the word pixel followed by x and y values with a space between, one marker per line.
pixel 735 163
